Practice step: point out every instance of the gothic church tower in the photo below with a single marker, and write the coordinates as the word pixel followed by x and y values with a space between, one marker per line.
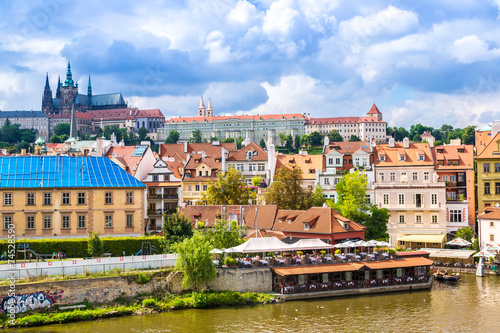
pixel 47 105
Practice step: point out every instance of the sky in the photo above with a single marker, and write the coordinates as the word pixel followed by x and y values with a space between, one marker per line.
pixel 429 62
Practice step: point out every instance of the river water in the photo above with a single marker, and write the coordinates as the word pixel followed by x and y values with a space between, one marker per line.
pixel 472 305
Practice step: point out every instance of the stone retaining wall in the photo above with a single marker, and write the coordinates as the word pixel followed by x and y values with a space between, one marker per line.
pixel 108 289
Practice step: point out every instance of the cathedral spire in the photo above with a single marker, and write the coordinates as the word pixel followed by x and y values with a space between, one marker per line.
pixel 58 90
pixel 69 77
pixel 47 81
pixel 47 103
pixel 202 110
pixel 89 89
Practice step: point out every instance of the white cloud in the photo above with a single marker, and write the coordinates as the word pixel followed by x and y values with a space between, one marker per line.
pixel 319 14
pixel 471 48
pixel 391 21
pixel 218 52
pixel 243 13
pixel 280 18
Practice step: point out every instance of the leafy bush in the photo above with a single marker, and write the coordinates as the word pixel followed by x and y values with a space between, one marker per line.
pixel 95 246
pixel 337 251
pixel 299 253
pixel 229 261
pixel 142 278
pixel 356 251
pixel 392 252
pixel 322 252
pixel 149 303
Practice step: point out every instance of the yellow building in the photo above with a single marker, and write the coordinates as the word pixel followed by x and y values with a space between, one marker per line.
pixel 488 174
pixel 53 196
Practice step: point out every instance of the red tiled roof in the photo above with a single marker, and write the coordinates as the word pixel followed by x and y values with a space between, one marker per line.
pixel 112 113
pixel 151 113
pixel 67 115
pixel 240 155
pixel 251 117
pixel 450 153
pixel 348 147
pixel 342 120
pixel 124 156
pixel 374 110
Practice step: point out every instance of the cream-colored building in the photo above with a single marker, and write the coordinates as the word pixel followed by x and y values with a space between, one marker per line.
pixel 61 196
pixel 407 185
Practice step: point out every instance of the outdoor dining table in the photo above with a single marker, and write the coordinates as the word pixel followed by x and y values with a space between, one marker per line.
pixel 385 254
pixel 314 260
pixel 298 260
pixel 263 262
pixel 350 254
pixel 280 261
pixel 357 257
pixel 328 258
pixel 247 264
pixel 363 253
pixel 372 256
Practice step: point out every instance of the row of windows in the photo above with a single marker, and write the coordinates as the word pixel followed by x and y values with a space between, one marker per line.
pixel 418 199
pixel 418 219
pixel 66 221
pixel 392 176
pixel 487 189
pixel 486 167
pixel 251 167
pixel 196 187
pixel 65 198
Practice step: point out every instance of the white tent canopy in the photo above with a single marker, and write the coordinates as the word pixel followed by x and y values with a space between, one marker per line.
pixel 485 253
pixel 217 251
pixel 261 244
pixel 311 244
pixel 459 242
pixel 345 245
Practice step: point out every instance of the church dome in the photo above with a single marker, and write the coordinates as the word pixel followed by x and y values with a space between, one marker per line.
pixel 39 142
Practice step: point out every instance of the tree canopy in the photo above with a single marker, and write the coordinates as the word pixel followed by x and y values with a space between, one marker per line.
pixel 315 139
pixel 262 143
pixel 354 138
pixel 175 228
pixel 143 133
pixel 230 189
pixel 196 137
pixel 334 136
pixel 223 234
pixel 173 137
pixel 195 261
pixel 63 128
pixel 286 190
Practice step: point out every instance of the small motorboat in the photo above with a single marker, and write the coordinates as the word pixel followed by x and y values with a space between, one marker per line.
pixel 453 277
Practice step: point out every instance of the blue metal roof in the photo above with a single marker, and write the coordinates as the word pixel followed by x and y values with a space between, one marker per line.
pixel 63 171
pixel 22 114
pixel 139 151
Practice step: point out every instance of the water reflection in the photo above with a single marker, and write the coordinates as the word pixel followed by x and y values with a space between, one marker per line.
pixel 470 305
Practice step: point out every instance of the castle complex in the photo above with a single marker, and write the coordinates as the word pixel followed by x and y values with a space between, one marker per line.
pixel 67 95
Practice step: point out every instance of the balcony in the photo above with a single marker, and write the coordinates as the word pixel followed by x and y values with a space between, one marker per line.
pixel 155 212
pixel 450 184
pixel 160 196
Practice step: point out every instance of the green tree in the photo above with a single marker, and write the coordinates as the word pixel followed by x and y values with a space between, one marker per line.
pixel 194 260
pixel 376 223
pixel 175 228
pixel 334 136
pixel 11 133
pixel 469 136
pixel 315 139
pixel 143 133
pixel 465 233
pixel 354 138
pixel 108 130
pixel 282 137
pixel 418 129
pixel 223 234
pixel 55 139
pixel 173 137
pixel 228 140
pixel 286 190
pixel 303 140
pixel 289 142
pixel 296 142
pixel 229 189
pixel 28 135
pixel 63 128
pixel 262 143
pixel 318 197
pixel 213 138
pixel 196 137
pixel 239 141
pixel 95 246
pixel 256 180
pixel 351 196
pixel 23 145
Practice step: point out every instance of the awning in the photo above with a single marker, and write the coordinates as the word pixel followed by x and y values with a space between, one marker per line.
pixel 423 238
pixel 448 253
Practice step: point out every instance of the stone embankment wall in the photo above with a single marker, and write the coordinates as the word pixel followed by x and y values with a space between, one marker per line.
pixel 108 289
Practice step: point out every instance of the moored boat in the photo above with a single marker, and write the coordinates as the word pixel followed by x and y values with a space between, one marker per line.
pixel 454 277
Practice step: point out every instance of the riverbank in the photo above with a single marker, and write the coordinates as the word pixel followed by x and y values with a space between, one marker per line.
pixel 144 304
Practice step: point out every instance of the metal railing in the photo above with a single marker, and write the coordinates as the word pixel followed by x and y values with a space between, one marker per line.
pixel 83 266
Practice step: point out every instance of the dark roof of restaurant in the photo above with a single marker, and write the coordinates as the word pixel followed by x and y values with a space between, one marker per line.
pixel 353 266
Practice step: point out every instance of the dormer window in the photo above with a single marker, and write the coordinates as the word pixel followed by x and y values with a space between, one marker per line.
pixel 280 220
pixel 249 155
pixel 439 151
pixel 421 157
pixel 402 157
pixel 382 158
pixel 306 226
pixel 346 226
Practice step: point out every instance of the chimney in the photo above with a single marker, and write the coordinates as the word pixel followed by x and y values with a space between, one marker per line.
pixel 455 142
pixel 495 127
pixel 406 143
pixel 271 162
pixel 99 146
pixel 391 143
pixel 203 154
pixel 223 159
pixel 185 147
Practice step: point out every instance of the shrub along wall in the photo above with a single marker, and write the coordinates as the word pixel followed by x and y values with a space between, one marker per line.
pixel 77 247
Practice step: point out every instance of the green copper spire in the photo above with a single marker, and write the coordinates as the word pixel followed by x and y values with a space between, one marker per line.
pixel 69 77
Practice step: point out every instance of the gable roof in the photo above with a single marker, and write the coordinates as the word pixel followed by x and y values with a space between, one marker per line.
pixel 111 114
pixel 240 155
pixel 176 150
pixel 62 172
pixel 128 156
pixel 347 148
pixel 374 110
pixel 304 162
pixel 491 150
pixel 392 155
pixel 465 159
pixel 150 113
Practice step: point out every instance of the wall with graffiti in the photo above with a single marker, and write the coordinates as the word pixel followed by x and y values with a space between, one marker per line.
pixel 27 302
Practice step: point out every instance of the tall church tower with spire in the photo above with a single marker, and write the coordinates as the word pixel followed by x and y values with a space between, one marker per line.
pixel 210 111
pixel 69 90
pixel 47 105
pixel 202 110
